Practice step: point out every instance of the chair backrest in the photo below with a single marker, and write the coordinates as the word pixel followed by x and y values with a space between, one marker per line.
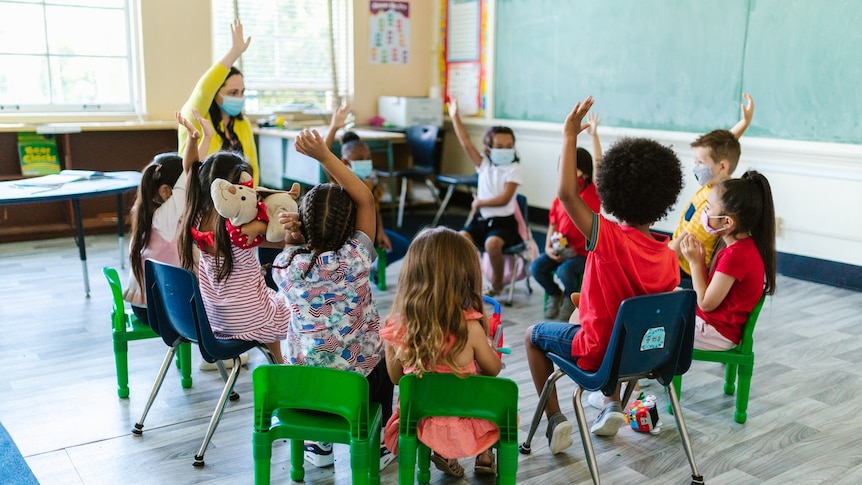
pixel 653 335
pixel 746 344
pixel 484 397
pixel 421 142
pixel 118 312
pixel 171 292
pixel 333 391
pixel 524 222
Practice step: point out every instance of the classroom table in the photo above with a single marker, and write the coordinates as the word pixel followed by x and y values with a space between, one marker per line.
pixel 24 191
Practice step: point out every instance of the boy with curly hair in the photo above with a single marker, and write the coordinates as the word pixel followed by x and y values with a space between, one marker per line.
pixel 638 182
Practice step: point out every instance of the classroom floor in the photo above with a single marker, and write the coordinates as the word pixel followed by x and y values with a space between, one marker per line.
pixel 61 407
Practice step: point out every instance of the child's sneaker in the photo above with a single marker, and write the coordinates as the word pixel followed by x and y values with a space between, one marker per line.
pixel 559 433
pixel 386 457
pixel 596 399
pixel 609 420
pixel 319 454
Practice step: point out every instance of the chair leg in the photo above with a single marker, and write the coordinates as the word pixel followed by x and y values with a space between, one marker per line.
pixel 696 477
pixel 297 457
pixel 184 360
pixel 381 269
pixel 262 453
pixel 677 385
pixel 443 205
pixel 138 430
pixel 507 464
pixel 584 430
pixel 407 459
pixel 121 362
pixel 741 413
pixel 423 463
pixel 401 201
pixel 550 384
pixel 266 353
pixel 514 279
pixel 730 379
pixel 359 461
pixel 433 189
pixel 234 396
pixel 216 417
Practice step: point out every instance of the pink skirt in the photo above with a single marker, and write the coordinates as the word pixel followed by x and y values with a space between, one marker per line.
pixel 448 436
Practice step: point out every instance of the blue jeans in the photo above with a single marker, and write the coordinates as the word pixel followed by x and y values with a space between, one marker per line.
pixel 556 337
pixel 569 272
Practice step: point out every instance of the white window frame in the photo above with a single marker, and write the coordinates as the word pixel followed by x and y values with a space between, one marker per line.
pixel 132 57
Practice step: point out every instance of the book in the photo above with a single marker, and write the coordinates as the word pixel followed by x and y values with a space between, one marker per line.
pixel 38 153
pixel 57 179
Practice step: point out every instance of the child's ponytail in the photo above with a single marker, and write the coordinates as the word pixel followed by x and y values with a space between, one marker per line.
pixel 193 202
pixel 749 200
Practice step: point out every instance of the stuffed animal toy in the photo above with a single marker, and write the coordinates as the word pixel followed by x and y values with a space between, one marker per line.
pixel 240 204
pixel 560 245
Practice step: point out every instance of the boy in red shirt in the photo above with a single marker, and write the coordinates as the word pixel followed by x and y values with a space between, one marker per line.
pixel 638 183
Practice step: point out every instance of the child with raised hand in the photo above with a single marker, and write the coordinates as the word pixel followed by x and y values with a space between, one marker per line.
pixel 740 212
pixel 638 182
pixel 437 324
pixel 238 303
pixel 565 247
pixel 494 226
pixel 716 155
pixel 159 204
pixel 324 274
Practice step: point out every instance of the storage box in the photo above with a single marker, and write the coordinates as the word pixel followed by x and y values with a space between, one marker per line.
pixel 404 111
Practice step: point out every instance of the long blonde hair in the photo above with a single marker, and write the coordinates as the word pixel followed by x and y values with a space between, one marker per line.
pixel 441 277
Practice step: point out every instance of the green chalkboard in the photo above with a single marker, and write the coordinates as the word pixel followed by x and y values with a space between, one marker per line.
pixel 682 65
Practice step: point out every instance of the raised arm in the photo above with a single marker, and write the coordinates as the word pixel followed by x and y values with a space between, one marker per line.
pixel 190 151
pixel 593 120
pixel 310 143
pixel 745 120
pixel 461 133
pixel 576 208
pixel 208 132
pixel 339 118
pixel 238 45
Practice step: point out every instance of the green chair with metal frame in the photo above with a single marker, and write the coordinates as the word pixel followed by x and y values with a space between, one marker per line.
pixel 125 327
pixel 739 361
pixel 483 397
pixel 298 403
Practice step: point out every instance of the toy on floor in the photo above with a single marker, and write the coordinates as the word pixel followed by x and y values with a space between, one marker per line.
pixel 643 416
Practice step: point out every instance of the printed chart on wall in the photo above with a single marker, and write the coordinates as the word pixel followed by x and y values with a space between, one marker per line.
pixel 389 30
pixel 463 54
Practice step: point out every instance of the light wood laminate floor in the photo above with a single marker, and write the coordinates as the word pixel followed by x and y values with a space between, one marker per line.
pixel 59 398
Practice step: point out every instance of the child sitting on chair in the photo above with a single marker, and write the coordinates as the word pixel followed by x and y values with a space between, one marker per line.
pixel 638 182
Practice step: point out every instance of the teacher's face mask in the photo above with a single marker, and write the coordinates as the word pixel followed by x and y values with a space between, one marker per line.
pixel 232 105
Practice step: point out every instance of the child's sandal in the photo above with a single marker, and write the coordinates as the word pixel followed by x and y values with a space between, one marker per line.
pixel 449 467
pixel 485 464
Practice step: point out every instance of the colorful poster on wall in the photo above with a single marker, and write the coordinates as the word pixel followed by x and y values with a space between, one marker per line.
pixel 463 54
pixel 389 30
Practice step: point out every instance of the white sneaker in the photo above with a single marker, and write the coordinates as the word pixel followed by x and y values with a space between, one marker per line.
pixel 319 454
pixel 596 399
pixel 386 457
pixel 609 420
pixel 559 433
pixel 228 363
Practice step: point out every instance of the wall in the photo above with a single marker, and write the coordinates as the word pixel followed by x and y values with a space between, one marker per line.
pixel 412 79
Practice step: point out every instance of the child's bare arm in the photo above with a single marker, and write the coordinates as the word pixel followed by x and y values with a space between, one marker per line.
pixel 208 132
pixel 711 294
pixel 576 208
pixel 393 365
pixel 309 142
pixel 747 115
pixel 509 191
pixel 593 120
pixel 190 153
pixel 484 355
pixel 339 118
pixel 463 136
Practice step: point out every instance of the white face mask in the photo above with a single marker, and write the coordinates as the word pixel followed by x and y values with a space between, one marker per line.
pixel 502 156
pixel 703 174
pixel 362 168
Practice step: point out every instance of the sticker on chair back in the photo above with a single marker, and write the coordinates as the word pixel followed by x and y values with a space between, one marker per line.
pixel 653 339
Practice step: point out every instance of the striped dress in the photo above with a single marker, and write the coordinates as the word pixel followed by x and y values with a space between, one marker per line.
pixel 241 306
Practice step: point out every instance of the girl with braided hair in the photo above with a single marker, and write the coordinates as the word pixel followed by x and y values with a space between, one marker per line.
pixel 325 278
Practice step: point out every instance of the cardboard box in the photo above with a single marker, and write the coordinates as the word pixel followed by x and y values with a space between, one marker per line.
pixel 404 111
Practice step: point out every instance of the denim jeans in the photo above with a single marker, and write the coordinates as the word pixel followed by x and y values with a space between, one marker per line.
pixel 569 272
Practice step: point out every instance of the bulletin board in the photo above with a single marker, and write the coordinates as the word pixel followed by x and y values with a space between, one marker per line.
pixel 463 27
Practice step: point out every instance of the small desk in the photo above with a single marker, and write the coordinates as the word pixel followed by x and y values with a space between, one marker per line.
pixel 279 160
pixel 113 183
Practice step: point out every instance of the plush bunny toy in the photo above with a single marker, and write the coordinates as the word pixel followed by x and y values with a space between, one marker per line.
pixel 239 205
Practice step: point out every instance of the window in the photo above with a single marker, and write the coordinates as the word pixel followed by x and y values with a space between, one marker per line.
pixel 66 56
pixel 291 61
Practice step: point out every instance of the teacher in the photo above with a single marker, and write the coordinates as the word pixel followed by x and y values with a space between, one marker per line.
pixel 220 95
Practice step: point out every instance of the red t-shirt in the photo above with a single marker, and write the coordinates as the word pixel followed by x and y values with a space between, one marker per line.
pixel 741 261
pixel 622 262
pixel 559 217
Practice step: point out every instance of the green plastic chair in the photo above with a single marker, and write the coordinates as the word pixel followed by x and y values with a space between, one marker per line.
pixel 484 397
pixel 381 269
pixel 299 403
pixel 126 327
pixel 739 361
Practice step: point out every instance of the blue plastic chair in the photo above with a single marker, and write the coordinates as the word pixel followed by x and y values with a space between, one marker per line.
pixel 174 302
pixel 422 143
pixel 652 338
pixel 453 180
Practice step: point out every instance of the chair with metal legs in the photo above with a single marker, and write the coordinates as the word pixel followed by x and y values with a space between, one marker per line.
pixel 652 338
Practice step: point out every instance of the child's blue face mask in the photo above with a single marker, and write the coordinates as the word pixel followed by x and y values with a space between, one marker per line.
pixel 502 156
pixel 361 168
pixel 232 105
